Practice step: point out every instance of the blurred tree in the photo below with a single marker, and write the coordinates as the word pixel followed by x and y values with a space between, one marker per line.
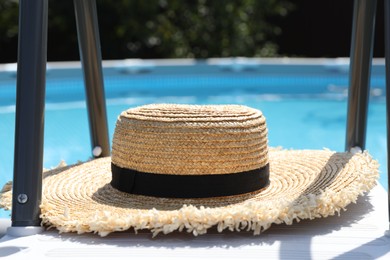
pixel 62 35
pixel 191 29
pixel 8 30
pixel 159 28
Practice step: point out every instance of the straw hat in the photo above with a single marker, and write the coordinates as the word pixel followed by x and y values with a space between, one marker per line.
pixel 188 167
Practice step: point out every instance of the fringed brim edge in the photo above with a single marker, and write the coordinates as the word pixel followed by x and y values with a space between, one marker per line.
pixel 248 217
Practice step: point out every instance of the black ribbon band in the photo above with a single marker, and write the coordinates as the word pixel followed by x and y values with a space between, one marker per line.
pixel 188 186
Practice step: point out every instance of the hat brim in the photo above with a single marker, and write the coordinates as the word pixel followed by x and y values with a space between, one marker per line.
pixel 304 184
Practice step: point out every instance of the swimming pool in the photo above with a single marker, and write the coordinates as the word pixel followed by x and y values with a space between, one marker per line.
pixel 304 101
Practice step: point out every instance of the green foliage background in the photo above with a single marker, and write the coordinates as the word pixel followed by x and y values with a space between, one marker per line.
pixel 159 28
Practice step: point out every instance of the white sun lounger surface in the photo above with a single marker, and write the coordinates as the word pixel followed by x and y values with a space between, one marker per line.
pixel 358 233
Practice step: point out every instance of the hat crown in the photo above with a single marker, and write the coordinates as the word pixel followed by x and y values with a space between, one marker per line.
pixel 190 139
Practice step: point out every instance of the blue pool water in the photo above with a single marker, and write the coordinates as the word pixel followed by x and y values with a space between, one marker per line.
pixel 305 105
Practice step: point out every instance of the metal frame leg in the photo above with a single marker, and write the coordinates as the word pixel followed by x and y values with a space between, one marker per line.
pixel 30 104
pixel 360 72
pixel 89 45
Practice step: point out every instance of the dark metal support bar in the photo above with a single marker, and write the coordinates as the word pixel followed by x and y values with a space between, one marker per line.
pixel 89 45
pixel 30 105
pixel 387 59
pixel 360 72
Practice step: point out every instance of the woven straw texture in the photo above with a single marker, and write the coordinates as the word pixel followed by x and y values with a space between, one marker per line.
pixel 190 139
pixel 304 185
pixel 179 139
